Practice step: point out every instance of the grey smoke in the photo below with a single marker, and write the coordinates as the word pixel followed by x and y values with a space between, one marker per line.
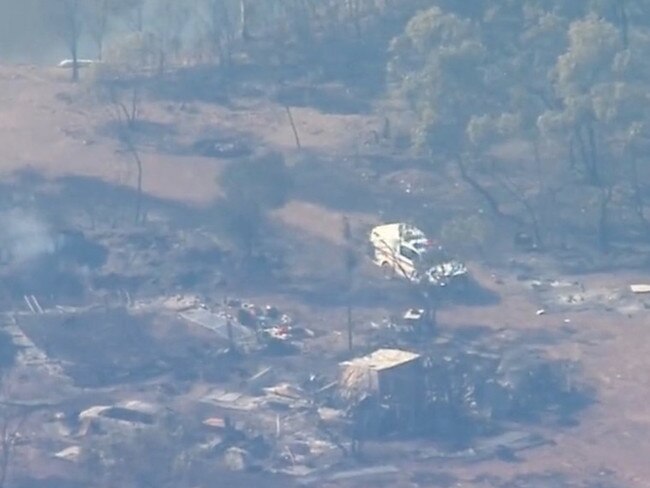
pixel 24 237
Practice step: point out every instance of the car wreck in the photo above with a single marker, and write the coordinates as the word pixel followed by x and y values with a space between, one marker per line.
pixel 404 250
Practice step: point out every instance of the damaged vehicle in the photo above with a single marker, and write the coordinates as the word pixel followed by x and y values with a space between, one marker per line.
pixel 403 250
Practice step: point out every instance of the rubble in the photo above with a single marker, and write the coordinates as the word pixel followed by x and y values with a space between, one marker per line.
pixel 245 326
pixel 236 459
pixel 222 325
pixel 231 400
pixel 563 296
pixel 507 444
pixel 128 414
pixel 276 415
pixel 350 474
pixel 304 425
pixel 181 303
pixel 379 373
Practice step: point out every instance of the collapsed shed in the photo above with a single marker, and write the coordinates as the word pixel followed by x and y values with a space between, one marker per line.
pixel 392 376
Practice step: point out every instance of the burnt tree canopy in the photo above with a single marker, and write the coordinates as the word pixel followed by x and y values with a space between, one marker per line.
pixel 251 188
pixel 262 180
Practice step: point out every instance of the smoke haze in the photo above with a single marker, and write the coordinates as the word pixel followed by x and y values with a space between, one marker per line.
pixel 24 237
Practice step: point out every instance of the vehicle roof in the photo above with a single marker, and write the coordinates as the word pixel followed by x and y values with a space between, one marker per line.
pixel 383 228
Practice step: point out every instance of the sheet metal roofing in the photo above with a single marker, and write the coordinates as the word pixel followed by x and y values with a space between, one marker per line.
pixel 383 359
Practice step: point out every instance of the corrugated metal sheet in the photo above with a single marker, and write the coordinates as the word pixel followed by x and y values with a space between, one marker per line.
pixel 218 323
pixel 383 359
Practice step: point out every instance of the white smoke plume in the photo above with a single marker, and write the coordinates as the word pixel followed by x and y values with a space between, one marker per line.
pixel 24 237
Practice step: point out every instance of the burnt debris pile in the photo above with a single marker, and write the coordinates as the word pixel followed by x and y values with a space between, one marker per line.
pixel 154 259
pixel 473 393
pixel 100 347
pixel 456 395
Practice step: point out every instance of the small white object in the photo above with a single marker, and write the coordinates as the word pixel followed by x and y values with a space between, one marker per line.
pixel 81 63
pixel 640 288
pixel 541 311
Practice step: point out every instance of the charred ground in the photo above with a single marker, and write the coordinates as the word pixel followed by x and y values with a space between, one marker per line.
pixel 116 207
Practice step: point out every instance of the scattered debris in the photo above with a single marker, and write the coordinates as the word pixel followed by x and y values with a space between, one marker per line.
pixel 32 304
pixel 215 423
pixel 508 444
pixel 236 459
pixel 232 400
pixel 181 303
pixel 350 474
pixel 221 148
pixel 72 454
pixel 223 325
pixel 512 441
pixel 133 413
pixel 389 374
pixel 259 375
pixel 562 296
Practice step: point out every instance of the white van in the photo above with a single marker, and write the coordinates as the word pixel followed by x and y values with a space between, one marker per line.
pixel 404 250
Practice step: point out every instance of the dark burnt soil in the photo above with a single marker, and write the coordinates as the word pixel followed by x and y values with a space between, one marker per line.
pixel 108 347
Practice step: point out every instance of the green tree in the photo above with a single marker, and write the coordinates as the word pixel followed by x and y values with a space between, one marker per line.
pixel 599 85
pixel 436 66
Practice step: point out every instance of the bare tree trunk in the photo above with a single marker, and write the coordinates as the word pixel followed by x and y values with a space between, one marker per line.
pixel 588 155
pixel 583 151
pixel 349 320
pixel 243 19
pixel 126 118
pixel 75 61
pixel 595 169
pixel 161 61
pixel 431 307
pixel 478 188
pixel 6 452
pixel 138 197
pixel 293 127
pixel 519 195
pixel 538 163
pixel 603 221
pixel 137 24
pixel 7 441
pixel 623 22
pixel 639 202
pixel 572 153
pixel 354 11
pixel 231 337
pixel 350 263
pixel 99 28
